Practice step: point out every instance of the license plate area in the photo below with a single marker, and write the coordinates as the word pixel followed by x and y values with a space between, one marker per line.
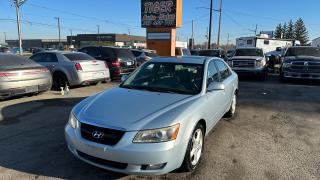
pixel 32 89
pixel 129 63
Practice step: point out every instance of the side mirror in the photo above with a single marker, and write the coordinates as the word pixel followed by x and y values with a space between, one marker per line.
pixel 124 77
pixel 216 86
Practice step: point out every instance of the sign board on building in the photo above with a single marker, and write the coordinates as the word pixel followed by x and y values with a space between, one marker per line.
pixel 159 36
pixel 161 13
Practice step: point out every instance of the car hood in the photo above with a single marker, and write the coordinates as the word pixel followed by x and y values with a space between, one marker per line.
pixel 125 109
pixel 234 58
pixel 302 58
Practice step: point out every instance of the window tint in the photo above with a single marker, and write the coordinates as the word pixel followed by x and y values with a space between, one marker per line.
pixel 78 56
pixel 94 52
pixel 223 70
pixel 249 52
pixel 84 50
pixel 124 53
pixel 50 58
pixel 213 75
pixel 136 53
pixel 37 57
pixel 108 52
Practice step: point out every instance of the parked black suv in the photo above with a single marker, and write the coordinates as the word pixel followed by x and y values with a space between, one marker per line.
pixel 120 60
pixel 301 62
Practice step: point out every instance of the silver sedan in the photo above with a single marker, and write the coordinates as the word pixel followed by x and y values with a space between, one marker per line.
pixel 20 76
pixel 157 119
pixel 72 68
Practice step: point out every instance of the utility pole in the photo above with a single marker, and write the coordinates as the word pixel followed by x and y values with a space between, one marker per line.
pixel 228 40
pixel 210 26
pixel 98 33
pixel 255 31
pixel 5 37
pixel 71 37
pixel 58 18
pixel 219 30
pixel 18 4
pixel 192 36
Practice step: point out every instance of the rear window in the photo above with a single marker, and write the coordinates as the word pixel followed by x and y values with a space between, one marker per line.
pixel 123 53
pixel 249 52
pixel 8 61
pixel 303 51
pixel 150 54
pixel 136 53
pixel 78 56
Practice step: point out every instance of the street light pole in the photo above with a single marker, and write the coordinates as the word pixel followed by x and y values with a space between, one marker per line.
pixel 219 30
pixel 58 18
pixel 18 4
pixel 210 26
pixel 98 33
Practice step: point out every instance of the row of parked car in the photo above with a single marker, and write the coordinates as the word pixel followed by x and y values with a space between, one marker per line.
pixel 59 69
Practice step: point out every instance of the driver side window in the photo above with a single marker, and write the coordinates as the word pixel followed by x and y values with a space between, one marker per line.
pixel 213 74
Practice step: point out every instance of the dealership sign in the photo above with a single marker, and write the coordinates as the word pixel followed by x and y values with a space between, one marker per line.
pixel 160 13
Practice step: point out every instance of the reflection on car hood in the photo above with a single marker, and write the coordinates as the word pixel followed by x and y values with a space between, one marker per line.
pixel 124 108
pixel 246 58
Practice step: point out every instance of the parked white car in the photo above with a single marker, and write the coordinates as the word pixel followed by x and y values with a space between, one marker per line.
pixel 156 120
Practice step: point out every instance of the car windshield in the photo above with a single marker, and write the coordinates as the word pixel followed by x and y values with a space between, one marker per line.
pixel 303 51
pixel 249 52
pixel 212 53
pixel 167 78
pixel 186 52
pixel 78 56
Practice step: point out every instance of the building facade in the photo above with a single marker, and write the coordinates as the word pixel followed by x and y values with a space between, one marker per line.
pixel 316 42
pixel 83 40
pixel 39 43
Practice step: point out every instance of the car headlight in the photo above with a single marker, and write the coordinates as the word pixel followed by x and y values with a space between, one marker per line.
pixel 157 135
pixel 286 65
pixel 260 63
pixel 72 121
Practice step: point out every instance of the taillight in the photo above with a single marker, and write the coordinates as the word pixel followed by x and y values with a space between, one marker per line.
pixel 78 67
pixel 107 67
pixel 44 70
pixel 116 63
pixel 6 74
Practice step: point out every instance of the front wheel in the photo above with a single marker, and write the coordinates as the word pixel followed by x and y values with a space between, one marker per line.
pixel 194 150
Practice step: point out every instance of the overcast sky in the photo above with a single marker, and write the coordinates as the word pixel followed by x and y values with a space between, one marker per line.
pixel 123 16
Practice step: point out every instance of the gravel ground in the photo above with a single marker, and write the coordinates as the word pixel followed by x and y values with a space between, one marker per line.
pixel 275 135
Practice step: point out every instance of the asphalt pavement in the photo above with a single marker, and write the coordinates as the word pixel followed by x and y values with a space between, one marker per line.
pixel 275 135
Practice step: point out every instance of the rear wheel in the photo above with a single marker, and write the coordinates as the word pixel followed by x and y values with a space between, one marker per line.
pixel 59 80
pixel 232 111
pixel 194 150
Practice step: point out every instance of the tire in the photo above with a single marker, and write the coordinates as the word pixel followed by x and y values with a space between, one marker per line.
pixel 193 154
pixel 59 80
pixel 232 111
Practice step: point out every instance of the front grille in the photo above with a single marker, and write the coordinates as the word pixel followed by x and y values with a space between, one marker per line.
pixel 243 63
pixel 103 162
pixel 109 137
pixel 300 67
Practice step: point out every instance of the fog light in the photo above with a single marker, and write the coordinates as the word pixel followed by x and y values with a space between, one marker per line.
pixel 153 166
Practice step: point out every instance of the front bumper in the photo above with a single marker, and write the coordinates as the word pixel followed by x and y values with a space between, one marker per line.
pixel 299 75
pixel 125 157
pixel 255 71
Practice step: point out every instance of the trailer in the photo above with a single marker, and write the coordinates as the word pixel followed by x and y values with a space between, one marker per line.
pixel 266 43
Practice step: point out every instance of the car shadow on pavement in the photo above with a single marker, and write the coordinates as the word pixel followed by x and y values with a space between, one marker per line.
pixel 32 142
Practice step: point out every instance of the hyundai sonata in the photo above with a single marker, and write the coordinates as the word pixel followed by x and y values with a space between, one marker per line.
pixel 155 121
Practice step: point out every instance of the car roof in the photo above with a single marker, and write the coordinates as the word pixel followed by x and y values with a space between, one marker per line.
pixel 183 59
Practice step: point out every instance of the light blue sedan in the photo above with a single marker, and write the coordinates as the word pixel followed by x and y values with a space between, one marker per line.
pixel 157 119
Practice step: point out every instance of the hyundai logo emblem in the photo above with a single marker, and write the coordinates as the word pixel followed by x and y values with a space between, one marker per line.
pixel 97 134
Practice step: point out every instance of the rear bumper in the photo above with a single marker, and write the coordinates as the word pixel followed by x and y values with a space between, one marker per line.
pixel 91 77
pixel 15 88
